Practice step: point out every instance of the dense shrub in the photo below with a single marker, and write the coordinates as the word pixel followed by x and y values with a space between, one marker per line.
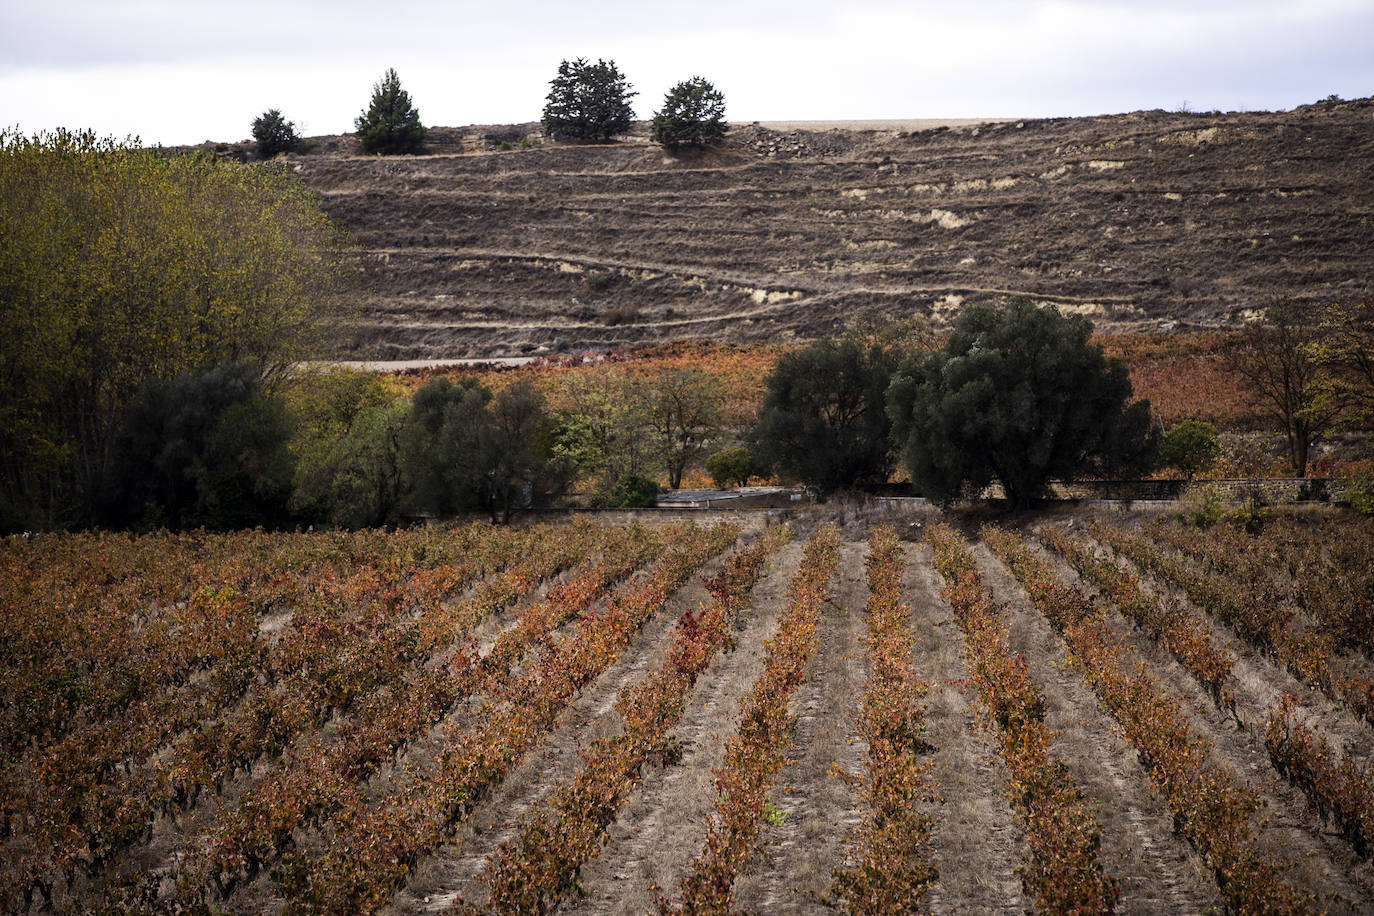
pixel 633 492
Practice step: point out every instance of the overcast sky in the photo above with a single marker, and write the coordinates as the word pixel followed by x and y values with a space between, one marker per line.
pixel 183 71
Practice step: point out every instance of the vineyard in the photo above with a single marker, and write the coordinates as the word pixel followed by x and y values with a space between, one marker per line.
pixel 1081 712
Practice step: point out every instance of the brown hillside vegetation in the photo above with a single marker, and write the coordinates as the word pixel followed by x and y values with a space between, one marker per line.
pixel 791 234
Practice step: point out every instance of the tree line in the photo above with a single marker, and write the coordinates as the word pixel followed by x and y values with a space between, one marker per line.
pixel 587 102
pixel 1019 394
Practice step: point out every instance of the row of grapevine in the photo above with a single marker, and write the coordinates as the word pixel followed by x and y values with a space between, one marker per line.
pixel 535 871
pixel 322 773
pixel 1184 634
pixel 1211 805
pixel 367 851
pixel 1321 566
pixel 91 794
pixel 1342 790
pixel 1257 616
pixel 754 754
pixel 96 623
pixel 1065 873
pixel 894 868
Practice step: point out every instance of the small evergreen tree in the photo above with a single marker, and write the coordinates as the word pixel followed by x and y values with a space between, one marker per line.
pixel 274 134
pixel 588 101
pixel 693 114
pixel 391 124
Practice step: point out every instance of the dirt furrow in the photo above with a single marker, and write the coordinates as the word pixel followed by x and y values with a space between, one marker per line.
pixel 1158 871
pixel 816 806
pixel 663 825
pixel 976 842
pixel 455 871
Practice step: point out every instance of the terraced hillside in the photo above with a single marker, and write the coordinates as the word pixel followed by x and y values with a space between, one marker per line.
pixel 1130 218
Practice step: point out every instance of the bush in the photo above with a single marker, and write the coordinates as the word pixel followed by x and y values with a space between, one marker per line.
pixel 201 449
pixel 634 492
pixel 693 113
pixel 1201 506
pixel 589 102
pixel 1191 446
pixel 391 124
pixel 274 134
pixel 1018 395
pixel 731 467
pixel 1360 495
pixel 822 418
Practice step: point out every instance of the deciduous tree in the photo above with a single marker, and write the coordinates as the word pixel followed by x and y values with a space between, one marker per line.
pixel 1279 359
pixel 684 408
pixel 121 265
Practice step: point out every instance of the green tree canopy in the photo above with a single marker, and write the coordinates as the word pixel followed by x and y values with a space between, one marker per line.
pixel 274 134
pixel 519 468
pixel 588 101
pixel 202 449
pixel 120 265
pixel 1017 394
pixel 731 467
pixel 693 113
pixel 463 449
pixel 390 124
pixel 1191 446
pixel 440 444
pixel 822 419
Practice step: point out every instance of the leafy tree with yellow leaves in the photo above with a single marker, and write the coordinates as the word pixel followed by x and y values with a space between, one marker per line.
pixel 120 265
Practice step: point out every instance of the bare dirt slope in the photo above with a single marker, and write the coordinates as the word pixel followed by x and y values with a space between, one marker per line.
pixel 792 234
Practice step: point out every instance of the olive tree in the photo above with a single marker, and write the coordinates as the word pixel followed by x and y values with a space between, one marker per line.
pixel 823 420
pixel 1019 395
